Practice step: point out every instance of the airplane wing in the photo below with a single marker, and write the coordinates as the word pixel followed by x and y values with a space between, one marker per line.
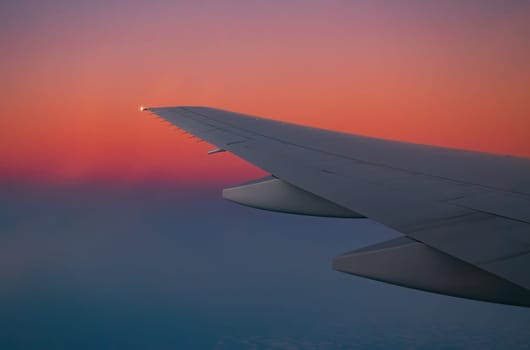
pixel 464 216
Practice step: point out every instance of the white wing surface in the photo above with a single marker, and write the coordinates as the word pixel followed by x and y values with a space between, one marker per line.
pixel 465 216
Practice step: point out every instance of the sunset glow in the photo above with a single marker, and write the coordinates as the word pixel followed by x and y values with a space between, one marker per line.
pixel 447 73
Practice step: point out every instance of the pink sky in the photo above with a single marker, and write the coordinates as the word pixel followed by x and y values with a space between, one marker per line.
pixel 455 74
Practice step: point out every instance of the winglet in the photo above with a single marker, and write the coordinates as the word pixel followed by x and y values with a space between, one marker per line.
pixel 142 108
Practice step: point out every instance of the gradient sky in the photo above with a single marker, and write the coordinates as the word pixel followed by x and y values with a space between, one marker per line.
pixel 86 263
pixel 452 73
pixel 102 267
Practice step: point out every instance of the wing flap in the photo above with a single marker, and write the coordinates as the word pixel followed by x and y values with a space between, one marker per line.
pixel 412 264
pixel 273 194
pixel 509 205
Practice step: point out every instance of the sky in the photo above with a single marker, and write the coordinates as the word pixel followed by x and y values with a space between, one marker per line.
pixel 450 73
pixel 107 267
pixel 113 232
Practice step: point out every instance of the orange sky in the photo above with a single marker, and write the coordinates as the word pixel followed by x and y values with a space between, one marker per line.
pixel 455 74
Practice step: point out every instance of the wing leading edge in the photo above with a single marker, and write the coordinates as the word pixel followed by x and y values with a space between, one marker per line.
pixel 466 214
